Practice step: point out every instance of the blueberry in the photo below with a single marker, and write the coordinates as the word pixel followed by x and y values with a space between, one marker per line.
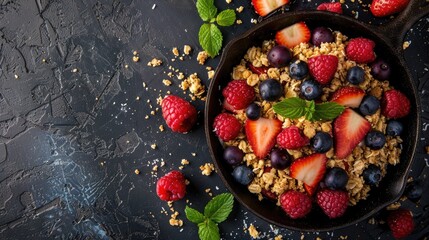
pixel 414 190
pixel 336 178
pixel 233 155
pixel 279 56
pixel 394 128
pixel 280 159
pixel 253 111
pixel 243 174
pixel 375 140
pixel 369 105
pixel 372 175
pixel 321 35
pixel 321 142
pixel 380 69
pixel 270 90
pixel 311 89
pixel 298 70
pixel 355 75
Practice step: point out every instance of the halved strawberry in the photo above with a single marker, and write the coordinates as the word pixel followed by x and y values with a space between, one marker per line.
pixel 348 96
pixel 310 170
pixel 262 134
pixel 257 70
pixel 293 35
pixel 349 130
pixel 264 7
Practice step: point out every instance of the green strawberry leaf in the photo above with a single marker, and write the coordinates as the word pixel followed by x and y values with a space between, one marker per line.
pixel 210 39
pixel 206 9
pixel 226 18
pixel 219 207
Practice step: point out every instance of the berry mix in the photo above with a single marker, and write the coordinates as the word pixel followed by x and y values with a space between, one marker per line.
pixel 310 119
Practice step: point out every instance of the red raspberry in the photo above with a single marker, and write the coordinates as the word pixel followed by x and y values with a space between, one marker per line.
pixel 331 7
pixel 323 67
pixel 226 126
pixel 395 104
pixel 401 223
pixel 291 138
pixel 360 50
pixel 333 202
pixel 178 113
pixel 238 94
pixel 171 187
pixel 295 204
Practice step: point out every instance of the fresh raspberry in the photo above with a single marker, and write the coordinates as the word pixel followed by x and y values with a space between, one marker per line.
pixel 291 138
pixel 238 94
pixel 395 104
pixel 331 7
pixel 401 223
pixel 295 204
pixel 178 113
pixel 171 187
pixel 323 67
pixel 226 126
pixel 333 202
pixel 360 50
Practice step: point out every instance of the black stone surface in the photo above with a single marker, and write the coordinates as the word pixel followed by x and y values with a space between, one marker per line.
pixel 71 140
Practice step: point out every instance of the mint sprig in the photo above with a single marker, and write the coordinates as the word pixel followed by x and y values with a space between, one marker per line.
pixel 216 211
pixel 209 35
pixel 296 107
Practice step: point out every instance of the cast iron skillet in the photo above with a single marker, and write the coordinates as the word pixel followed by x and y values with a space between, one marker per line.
pixel 388 40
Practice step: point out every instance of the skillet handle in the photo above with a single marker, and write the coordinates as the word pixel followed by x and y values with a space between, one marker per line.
pixel 394 31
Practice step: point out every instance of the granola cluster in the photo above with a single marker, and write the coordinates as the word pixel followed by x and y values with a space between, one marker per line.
pixel 278 181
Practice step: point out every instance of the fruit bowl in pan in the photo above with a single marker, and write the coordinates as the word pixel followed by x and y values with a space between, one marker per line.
pixel 389 46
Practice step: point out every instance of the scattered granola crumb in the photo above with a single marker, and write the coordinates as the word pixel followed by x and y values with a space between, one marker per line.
pixel 161 128
pixel 136 58
pixel 155 168
pixel 318 238
pixel 427 149
pixel 193 83
pixel 187 49
pixel 137 98
pixel 137 172
pixel 175 51
pixel 254 21
pixel 207 169
pixel 342 237
pixel 184 162
pixel 135 53
pixel 372 221
pixel 194 154
pixel 126 66
pixel 74 70
pixel 394 206
pixel 406 44
pixel 154 62
pixel 239 21
pixel 202 57
pixel 278 237
pixel 210 74
pixel 253 232
pixel 166 82
pixel 239 9
pixel 228 1
pixel 43 60
pixel 302 236
pixel 146 117
pixel 153 146
pixel 208 191
pixel 174 221
pixel 180 76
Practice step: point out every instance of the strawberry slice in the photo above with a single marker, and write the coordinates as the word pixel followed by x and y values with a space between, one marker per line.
pixel 257 70
pixel 293 35
pixel 348 96
pixel 264 7
pixel 310 170
pixel 349 130
pixel 262 134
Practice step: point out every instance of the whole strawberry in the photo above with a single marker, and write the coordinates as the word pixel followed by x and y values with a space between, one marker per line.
pixel 360 50
pixel 401 223
pixel 171 187
pixel 226 126
pixel 333 202
pixel 331 7
pixel 394 104
pixel 291 138
pixel 295 204
pixel 238 94
pixel 323 67
pixel 178 113
pixel 383 8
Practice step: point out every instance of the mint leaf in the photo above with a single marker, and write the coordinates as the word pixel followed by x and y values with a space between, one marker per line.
pixel 226 18
pixel 193 215
pixel 327 111
pixel 310 109
pixel 206 9
pixel 210 39
pixel 219 207
pixel 208 230
pixel 291 107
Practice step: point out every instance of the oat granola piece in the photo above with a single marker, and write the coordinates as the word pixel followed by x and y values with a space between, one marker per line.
pixel 253 232
pixel 207 169
pixel 154 62
pixel 187 49
pixel 202 57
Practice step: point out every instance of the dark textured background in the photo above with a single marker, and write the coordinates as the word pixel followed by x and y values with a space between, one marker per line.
pixel 70 141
